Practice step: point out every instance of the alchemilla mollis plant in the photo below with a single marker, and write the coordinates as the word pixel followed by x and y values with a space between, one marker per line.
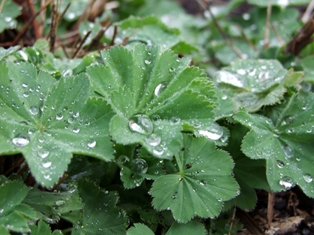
pixel 134 139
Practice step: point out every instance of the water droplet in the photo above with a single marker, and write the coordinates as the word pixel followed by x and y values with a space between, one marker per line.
pixel 76 130
pixel 59 116
pixel 123 159
pixel 214 132
pixel 34 110
pixel 224 97
pixel 175 120
pixel 280 164
pixel 20 140
pixel 140 165
pixel 229 78
pixel 47 164
pixel 287 120
pixel 153 140
pixel 142 124
pixel 70 120
pixel 31 131
pixel 76 114
pixel 91 144
pixel 286 182
pixel 26 94
pixel 24 84
pixel 308 178
pixel 43 153
pixel 289 152
pixel 147 62
pixel 158 150
pixel 160 88
pixel 241 71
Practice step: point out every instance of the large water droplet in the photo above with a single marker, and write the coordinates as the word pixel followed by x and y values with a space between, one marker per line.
pixel 142 124
pixel 158 150
pixel 286 182
pixel 20 140
pixel 43 153
pixel 76 130
pixel 289 152
pixel 308 178
pixel 229 78
pixel 91 144
pixel 153 140
pixel 160 88
pixel 47 164
pixel 214 132
pixel 175 120
pixel 140 165
pixel 123 159
pixel 34 110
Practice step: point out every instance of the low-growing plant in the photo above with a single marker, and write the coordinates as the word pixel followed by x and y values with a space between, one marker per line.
pixel 137 140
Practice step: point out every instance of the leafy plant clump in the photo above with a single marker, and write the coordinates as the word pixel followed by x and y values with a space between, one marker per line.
pixel 128 123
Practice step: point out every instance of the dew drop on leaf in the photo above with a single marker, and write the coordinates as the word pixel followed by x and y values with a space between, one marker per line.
pixel 31 131
pixel 59 116
pixel 286 182
pixel 141 123
pixel 76 130
pixel 160 88
pixel 43 153
pixel 76 114
pixel 140 165
pixel 214 132
pixel 280 164
pixel 158 150
pixel 229 78
pixel 147 62
pixel 175 120
pixel 47 164
pixel 289 152
pixel 34 110
pixel 20 141
pixel 24 84
pixel 123 159
pixel 91 144
pixel 153 140
pixel 308 178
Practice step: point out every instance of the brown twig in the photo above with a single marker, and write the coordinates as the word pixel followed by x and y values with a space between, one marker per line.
pixel 84 15
pixel 81 44
pixel 232 220
pixel 34 23
pixel 53 28
pixel 302 38
pixel 17 164
pixel 222 33
pixel 246 38
pixel 267 25
pixel 307 14
pixel 270 208
pixel 115 29
pixel 25 27
pixel 280 40
pixel 64 176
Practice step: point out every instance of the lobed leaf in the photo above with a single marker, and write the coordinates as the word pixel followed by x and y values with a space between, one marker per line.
pixel 200 186
pixel 100 216
pixel 285 141
pixel 153 94
pixel 48 121
pixel 254 83
pixel 139 229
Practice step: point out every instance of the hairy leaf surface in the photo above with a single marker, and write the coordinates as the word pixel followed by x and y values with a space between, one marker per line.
pixel 48 121
pixel 285 141
pixel 200 186
pixel 153 93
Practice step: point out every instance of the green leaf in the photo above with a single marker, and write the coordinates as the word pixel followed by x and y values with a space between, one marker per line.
pixel 191 227
pixel 3 230
pixel 100 215
pixel 152 31
pixel 46 204
pixel 139 229
pixel 285 141
pixel 42 229
pixel 253 83
pixel 47 121
pixel 5 52
pixel 153 93
pixel 12 194
pixel 15 222
pixel 8 14
pixel 279 3
pixel 200 186
pixel 75 10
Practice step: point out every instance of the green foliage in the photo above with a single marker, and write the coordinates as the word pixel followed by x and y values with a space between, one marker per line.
pixel 137 140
